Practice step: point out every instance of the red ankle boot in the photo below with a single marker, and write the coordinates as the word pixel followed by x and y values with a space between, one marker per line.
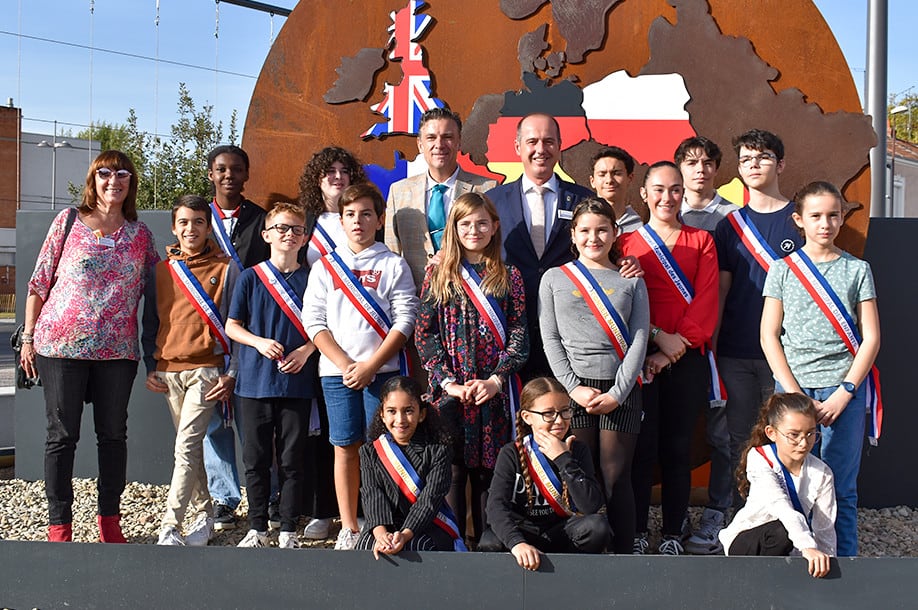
pixel 60 533
pixel 110 529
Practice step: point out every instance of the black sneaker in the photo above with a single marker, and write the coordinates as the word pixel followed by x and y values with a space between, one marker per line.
pixel 274 517
pixel 224 518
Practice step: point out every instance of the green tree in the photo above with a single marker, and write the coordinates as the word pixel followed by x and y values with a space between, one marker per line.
pixel 905 122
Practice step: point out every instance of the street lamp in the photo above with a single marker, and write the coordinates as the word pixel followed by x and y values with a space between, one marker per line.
pixel 54 145
pixel 890 210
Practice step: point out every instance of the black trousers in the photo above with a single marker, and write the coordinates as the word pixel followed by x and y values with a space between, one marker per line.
pixel 672 403
pixel 66 382
pixel 769 540
pixel 319 501
pixel 578 534
pixel 273 424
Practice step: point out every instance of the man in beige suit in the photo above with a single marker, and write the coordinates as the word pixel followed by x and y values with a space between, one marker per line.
pixel 408 227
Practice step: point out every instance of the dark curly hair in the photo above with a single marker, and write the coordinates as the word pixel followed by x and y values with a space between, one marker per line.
pixel 311 179
pixel 430 430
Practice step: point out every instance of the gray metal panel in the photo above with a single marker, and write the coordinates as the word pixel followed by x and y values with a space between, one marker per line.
pixel 124 576
pixel 150 431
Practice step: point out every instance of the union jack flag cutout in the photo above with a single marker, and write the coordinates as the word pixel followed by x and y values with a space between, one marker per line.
pixel 403 104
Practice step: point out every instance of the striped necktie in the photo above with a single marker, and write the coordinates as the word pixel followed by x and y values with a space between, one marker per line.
pixel 537 217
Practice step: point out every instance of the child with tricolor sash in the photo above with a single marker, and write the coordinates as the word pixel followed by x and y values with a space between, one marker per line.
pixel 790 499
pixel 359 309
pixel 472 339
pixel 405 474
pixel 821 335
pixel 194 364
pixel 594 327
pixel 544 496
pixel 276 386
pixel 680 270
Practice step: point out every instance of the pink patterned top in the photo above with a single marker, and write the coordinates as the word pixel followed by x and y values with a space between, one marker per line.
pixel 91 311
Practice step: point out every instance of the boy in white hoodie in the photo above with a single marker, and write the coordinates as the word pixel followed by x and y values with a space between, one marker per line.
pixel 359 309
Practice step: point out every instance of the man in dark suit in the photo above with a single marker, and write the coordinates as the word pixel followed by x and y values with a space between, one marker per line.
pixel 535 213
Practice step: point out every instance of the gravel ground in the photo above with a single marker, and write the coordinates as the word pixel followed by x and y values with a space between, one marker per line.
pixel 887 532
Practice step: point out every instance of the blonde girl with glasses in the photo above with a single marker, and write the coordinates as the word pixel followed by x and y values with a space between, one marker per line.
pixel 790 494
pixel 471 337
pixel 544 497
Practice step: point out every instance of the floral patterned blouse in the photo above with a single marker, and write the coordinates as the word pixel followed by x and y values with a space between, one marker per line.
pixel 454 342
pixel 90 307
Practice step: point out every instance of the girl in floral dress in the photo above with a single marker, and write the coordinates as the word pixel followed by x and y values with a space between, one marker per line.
pixel 471 337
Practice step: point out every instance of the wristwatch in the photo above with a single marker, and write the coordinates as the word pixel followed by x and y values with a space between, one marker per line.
pixel 849 387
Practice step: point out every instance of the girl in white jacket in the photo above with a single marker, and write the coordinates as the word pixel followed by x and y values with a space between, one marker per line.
pixel 790 497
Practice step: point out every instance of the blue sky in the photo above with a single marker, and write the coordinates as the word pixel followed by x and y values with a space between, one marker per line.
pixel 51 81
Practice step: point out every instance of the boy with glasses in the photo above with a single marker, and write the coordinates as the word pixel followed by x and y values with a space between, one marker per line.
pixel 748 240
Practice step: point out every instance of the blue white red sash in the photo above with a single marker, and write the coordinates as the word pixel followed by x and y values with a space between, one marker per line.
pixel 283 295
pixel 752 239
pixel 410 484
pixel 825 297
pixel 717 394
pixel 544 477
pixel 220 234
pixel 490 313
pixel 321 240
pixel 362 301
pixel 788 480
pixel 207 309
pixel 605 313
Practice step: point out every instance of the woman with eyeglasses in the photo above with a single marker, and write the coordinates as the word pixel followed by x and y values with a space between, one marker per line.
pixel 544 496
pixel 680 270
pixel 80 335
pixel 790 495
pixel 324 178
pixel 594 327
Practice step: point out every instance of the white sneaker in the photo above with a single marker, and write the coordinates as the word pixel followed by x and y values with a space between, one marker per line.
pixel 201 531
pixel 705 540
pixel 347 539
pixel 287 540
pixel 169 536
pixel 317 529
pixel 254 540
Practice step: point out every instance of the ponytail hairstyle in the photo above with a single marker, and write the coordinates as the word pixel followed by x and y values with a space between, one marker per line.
pixel 429 430
pixel 814 189
pixel 445 279
pixel 600 207
pixel 771 414
pixel 540 386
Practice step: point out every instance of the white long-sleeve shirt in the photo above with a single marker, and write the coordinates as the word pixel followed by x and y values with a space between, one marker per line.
pixel 769 500
pixel 387 279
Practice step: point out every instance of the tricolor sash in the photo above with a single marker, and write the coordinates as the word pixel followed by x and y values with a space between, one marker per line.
pixel 605 313
pixel 321 240
pixel 283 294
pixel 819 289
pixel 752 239
pixel 490 312
pixel 543 476
pixel 207 309
pixel 220 234
pixel 717 394
pixel 410 484
pixel 362 301
pixel 788 480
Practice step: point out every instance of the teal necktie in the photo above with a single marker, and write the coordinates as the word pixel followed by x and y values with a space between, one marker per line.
pixel 436 215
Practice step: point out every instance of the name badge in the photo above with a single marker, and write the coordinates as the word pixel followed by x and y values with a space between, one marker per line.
pixel 108 242
pixel 565 214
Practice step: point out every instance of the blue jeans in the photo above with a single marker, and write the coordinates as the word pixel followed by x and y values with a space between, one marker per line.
pixel 220 461
pixel 840 448
pixel 351 411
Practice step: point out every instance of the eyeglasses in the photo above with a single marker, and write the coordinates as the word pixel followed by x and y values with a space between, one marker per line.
pixel 794 438
pixel 550 416
pixel 105 173
pixel 283 229
pixel 331 172
pixel 482 226
pixel 761 160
